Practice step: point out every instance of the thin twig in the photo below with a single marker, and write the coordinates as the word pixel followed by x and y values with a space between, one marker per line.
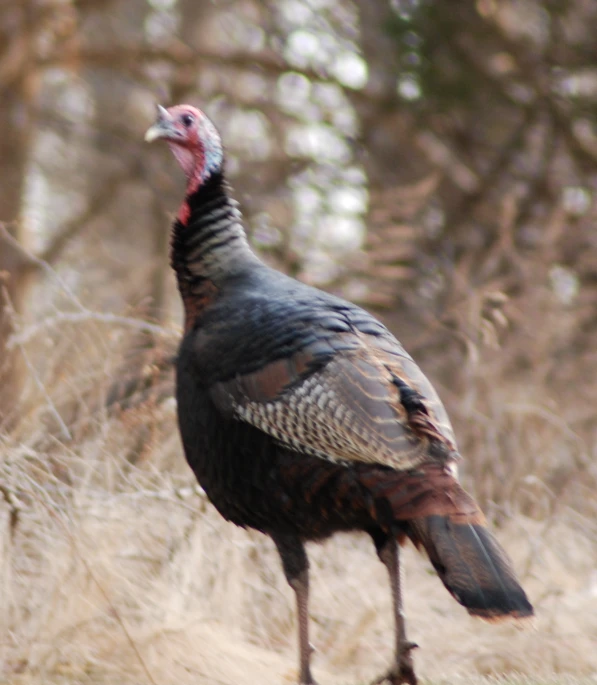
pixel 60 519
pixel 25 335
pixel 9 309
pixel 84 313
pixel 42 264
pixel 74 226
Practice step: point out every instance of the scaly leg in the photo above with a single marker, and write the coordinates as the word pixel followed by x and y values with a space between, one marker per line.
pixel 296 568
pixel 403 669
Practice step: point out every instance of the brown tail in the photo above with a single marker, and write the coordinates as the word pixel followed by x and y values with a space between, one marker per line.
pixel 440 517
pixel 472 566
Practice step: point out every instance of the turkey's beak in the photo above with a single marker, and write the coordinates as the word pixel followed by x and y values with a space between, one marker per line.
pixel 163 128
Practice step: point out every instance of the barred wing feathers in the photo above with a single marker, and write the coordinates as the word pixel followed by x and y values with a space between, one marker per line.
pixel 366 402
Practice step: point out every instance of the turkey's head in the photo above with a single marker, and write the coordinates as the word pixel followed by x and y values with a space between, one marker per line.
pixel 193 139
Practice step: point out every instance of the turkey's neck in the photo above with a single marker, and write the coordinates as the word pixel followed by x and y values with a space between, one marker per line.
pixel 208 240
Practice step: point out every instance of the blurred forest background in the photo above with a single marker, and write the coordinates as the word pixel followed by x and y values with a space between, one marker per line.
pixel 435 162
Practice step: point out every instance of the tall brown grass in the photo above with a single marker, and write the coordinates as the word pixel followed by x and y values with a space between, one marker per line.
pixel 115 567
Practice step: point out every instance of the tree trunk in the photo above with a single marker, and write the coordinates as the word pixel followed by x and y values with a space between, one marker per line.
pixel 16 95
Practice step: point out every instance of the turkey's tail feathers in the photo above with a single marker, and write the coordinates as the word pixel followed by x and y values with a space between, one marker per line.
pixel 472 566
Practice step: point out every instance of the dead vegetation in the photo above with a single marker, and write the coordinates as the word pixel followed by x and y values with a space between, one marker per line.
pixel 475 180
pixel 115 568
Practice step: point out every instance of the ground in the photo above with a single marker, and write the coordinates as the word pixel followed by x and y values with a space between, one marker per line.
pixel 136 579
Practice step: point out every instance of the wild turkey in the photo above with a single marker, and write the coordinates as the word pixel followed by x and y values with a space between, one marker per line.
pixel 301 415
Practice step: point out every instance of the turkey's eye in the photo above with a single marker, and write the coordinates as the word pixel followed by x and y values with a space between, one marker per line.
pixel 187 119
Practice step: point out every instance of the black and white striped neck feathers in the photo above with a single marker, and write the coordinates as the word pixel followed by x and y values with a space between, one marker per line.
pixel 208 239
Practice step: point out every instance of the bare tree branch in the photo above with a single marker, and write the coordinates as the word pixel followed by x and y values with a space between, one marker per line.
pixel 22 258
pixel 73 227
pixel 27 334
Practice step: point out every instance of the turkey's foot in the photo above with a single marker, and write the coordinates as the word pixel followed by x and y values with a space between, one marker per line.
pixel 403 671
pixel 306 678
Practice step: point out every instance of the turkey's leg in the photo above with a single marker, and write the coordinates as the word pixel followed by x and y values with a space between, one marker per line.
pixel 403 669
pixel 296 568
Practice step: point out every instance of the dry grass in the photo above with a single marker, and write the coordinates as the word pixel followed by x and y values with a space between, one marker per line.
pixel 115 569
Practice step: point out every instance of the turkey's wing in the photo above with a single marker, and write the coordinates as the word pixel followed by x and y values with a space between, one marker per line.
pixel 363 404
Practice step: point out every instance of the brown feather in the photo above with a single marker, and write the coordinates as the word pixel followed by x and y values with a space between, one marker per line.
pixel 196 299
pixel 352 409
pixel 271 380
pixel 472 565
pixel 426 491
